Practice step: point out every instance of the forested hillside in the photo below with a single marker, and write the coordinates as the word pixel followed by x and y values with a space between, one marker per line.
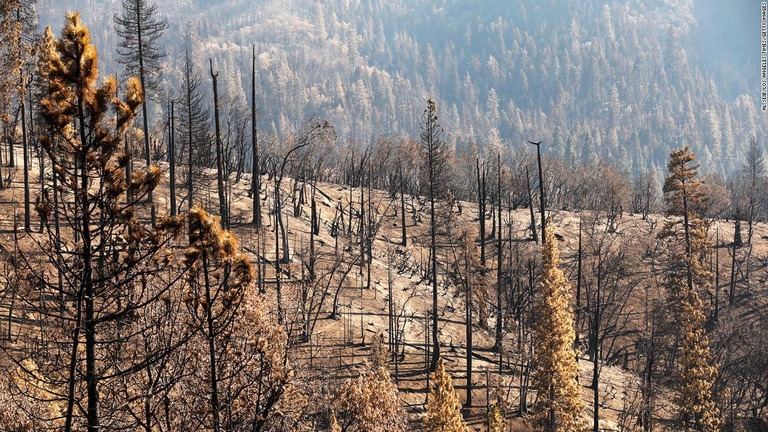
pixel 623 81
pixel 369 216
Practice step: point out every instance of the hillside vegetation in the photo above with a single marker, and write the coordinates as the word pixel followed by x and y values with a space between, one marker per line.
pixel 358 223
pixel 622 81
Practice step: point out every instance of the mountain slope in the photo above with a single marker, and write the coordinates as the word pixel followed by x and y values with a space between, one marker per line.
pixel 624 81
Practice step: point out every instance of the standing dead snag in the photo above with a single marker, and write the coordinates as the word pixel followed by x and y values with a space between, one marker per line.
pixel 139 30
pixel 194 122
pixel 541 192
pixel 469 277
pixel 481 207
pixel 172 156
pixel 255 168
pixel 401 183
pixel 530 207
pixel 499 262
pixel 221 174
pixel 313 130
pixel 435 154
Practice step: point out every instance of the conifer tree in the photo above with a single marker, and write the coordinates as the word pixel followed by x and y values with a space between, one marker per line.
pixel 17 21
pixel 371 403
pixel 194 122
pixel 435 154
pixel 443 407
pixel 241 379
pixel 114 257
pixel 139 30
pixel 754 174
pixel 688 274
pixel 698 411
pixel 334 424
pixel 218 277
pixel 555 368
pixel 378 358
pixel 495 419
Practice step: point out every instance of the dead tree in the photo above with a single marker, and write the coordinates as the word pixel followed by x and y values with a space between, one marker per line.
pixel 530 206
pixel 434 152
pixel 499 263
pixel 172 156
pixel 255 168
pixel 481 207
pixel 314 129
pixel 220 174
pixel 541 191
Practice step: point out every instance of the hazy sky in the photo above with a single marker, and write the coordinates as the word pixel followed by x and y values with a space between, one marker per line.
pixel 727 40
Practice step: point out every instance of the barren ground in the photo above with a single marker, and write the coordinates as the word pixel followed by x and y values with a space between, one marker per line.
pixel 339 346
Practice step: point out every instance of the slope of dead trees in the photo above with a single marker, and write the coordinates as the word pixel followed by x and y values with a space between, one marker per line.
pixel 118 316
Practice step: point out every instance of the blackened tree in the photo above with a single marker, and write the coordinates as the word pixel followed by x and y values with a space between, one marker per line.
pixel 435 154
pixel 194 120
pixel 139 51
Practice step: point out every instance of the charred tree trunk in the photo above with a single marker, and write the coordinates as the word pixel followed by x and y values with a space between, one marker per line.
pixel 370 234
pixel 578 290
pixel 469 344
pixel 404 239
pixel 172 158
pixel 25 148
pixel 6 135
pixel 499 273
pixel 361 228
pixel 91 377
pixel 11 151
pixel 312 232
pixel 430 134
pixel 717 276
pixel 212 362
pixel 190 154
pixel 278 276
pixel 530 206
pixel 481 209
pixel 433 277
pixel 391 308
pixel 255 168
pixel 732 290
pixel 219 152
pixel 596 355
pixel 541 193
